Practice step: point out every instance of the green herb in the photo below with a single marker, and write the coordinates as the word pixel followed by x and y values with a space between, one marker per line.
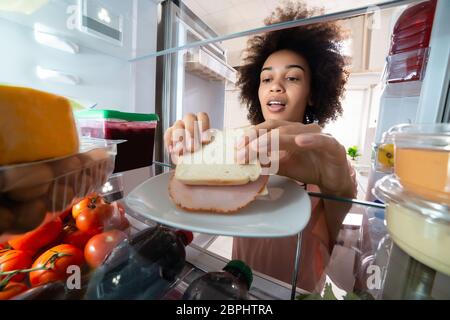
pixel 353 152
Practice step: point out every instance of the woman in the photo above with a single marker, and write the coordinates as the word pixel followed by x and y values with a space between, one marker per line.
pixel 292 80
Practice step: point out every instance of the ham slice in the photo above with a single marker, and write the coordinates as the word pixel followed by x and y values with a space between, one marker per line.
pixel 218 199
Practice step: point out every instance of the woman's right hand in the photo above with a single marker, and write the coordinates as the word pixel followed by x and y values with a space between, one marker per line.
pixel 187 134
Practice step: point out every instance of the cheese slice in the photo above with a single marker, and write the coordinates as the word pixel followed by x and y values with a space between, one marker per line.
pixel 35 125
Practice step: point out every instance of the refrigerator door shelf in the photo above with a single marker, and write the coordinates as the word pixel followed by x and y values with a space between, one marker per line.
pixel 201 63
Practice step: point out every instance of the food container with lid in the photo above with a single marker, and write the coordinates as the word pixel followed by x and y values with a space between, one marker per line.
pixel 419 227
pixel 137 129
pixel 422 159
pixel 30 191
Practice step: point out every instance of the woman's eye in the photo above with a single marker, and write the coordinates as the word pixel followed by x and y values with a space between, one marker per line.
pixel 292 78
pixel 265 80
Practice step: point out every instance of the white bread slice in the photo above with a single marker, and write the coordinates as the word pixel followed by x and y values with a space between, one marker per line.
pixel 214 163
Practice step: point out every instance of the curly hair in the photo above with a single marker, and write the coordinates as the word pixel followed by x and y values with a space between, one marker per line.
pixel 317 43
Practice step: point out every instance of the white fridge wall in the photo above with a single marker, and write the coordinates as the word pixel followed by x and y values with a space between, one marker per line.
pixel 203 95
pixel 394 111
pixel 101 76
pixel 109 81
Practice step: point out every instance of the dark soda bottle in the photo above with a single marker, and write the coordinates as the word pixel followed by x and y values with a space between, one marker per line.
pixel 143 268
pixel 232 283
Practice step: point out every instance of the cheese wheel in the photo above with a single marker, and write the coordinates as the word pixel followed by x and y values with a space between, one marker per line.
pixel 35 125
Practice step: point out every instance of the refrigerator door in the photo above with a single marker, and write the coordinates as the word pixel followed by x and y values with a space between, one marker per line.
pixel 433 102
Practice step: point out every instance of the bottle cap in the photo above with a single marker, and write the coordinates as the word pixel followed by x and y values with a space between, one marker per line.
pixel 243 268
pixel 186 236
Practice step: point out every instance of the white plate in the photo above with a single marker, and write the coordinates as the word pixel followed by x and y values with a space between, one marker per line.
pixel 285 211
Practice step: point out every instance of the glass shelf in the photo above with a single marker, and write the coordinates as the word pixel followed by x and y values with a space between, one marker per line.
pixel 209 36
pixel 133 38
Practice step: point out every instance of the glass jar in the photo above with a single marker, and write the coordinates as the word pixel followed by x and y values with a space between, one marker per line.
pixel 419 227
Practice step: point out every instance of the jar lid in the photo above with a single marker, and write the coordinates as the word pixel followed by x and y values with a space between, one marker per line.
pixel 390 190
pixel 435 136
pixel 114 114
pixel 241 267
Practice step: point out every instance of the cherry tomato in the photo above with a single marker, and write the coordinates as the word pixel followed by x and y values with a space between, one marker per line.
pixel 93 221
pixel 121 208
pixel 74 256
pixel 89 203
pixel 38 238
pixel 77 238
pixel 124 223
pixel 101 245
pixel 117 221
pixel 15 260
pixel 12 289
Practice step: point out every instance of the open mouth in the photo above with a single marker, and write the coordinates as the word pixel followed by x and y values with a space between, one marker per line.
pixel 276 106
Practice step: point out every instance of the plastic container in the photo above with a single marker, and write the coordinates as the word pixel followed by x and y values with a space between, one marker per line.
pixel 143 268
pixel 232 283
pixel 420 227
pixel 411 35
pixel 422 159
pixel 407 66
pixel 30 191
pixel 137 129
pixel 112 190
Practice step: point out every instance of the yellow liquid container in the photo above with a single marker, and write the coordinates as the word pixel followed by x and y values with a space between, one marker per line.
pixel 425 172
pixel 419 227
pixel 422 159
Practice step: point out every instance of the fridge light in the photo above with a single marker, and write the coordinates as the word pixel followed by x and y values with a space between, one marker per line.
pixel 107 187
pixel 55 42
pixel 56 76
pixel 103 15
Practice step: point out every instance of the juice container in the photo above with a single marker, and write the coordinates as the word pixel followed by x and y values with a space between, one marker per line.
pixel 137 129
pixel 422 159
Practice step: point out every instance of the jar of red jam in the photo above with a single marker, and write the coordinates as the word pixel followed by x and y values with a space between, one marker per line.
pixel 137 129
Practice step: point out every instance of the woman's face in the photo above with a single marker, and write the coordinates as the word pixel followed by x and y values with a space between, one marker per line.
pixel 284 88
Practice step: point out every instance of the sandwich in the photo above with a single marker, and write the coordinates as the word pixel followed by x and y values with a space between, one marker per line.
pixel 211 179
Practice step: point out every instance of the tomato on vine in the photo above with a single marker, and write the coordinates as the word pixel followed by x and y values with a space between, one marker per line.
pixel 54 263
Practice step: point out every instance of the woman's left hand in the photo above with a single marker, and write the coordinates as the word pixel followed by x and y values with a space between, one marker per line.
pixel 305 154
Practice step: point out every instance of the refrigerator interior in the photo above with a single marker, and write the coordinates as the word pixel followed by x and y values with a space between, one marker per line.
pixel 48 48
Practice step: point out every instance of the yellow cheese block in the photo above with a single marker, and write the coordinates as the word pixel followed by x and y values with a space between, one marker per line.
pixel 35 125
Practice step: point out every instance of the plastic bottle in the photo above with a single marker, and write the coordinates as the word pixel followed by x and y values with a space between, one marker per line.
pixel 232 283
pixel 143 268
